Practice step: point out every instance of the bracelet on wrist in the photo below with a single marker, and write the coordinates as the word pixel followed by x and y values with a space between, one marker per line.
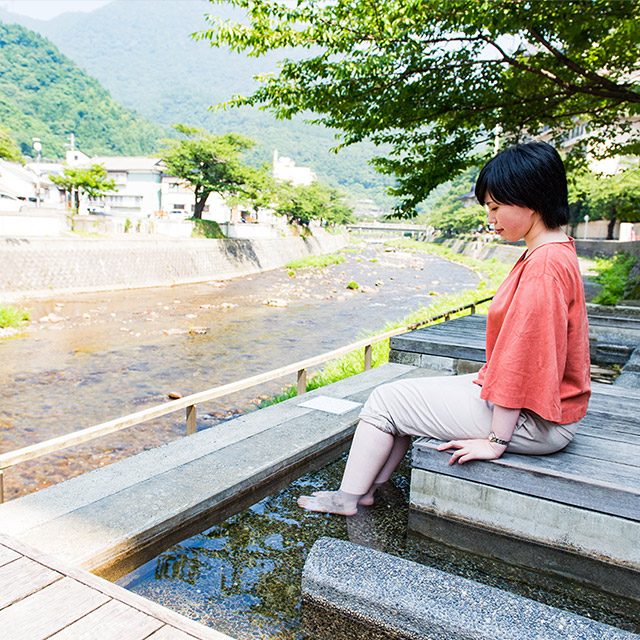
pixel 494 438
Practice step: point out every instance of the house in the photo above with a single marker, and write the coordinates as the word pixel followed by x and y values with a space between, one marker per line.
pixel 27 185
pixel 285 170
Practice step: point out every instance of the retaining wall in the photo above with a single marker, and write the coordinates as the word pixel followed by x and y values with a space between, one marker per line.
pixel 38 267
pixel 486 250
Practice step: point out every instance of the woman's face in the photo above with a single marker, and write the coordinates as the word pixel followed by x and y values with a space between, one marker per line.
pixel 510 221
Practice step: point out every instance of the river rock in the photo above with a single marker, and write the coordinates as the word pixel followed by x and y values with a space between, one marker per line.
pixel 200 331
pixel 228 305
pixel 175 332
pixel 275 302
pixel 52 317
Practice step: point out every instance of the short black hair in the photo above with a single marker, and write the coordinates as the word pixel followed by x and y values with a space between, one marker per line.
pixel 528 175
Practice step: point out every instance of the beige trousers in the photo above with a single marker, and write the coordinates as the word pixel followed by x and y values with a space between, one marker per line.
pixel 450 408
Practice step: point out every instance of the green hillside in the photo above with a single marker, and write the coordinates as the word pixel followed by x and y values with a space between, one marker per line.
pixel 143 54
pixel 44 94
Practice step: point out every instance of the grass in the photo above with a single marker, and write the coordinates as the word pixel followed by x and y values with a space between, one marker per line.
pixel 315 262
pixel 352 363
pixel 206 229
pixel 613 275
pixel 12 316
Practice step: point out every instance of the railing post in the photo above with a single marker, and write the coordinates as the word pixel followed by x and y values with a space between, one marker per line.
pixel 473 308
pixel 302 381
pixel 1 486
pixel 191 420
pixel 368 356
pixel 447 317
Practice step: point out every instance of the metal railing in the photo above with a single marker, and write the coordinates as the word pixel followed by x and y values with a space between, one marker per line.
pixel 189 403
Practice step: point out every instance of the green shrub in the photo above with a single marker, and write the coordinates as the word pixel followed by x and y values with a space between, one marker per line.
pixel 206 229
pixel 12 316
pixel 613 276
pixel 316 262
pixel 353 285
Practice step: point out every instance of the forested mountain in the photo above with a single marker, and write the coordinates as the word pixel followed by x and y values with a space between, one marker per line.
pixel 142 52
pixel 44 94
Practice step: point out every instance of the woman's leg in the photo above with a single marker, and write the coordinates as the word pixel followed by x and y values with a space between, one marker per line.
pixel 446 408
pixel 400 447
pixel 370 451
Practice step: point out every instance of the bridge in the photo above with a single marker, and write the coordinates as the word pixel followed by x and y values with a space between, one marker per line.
pixel 416 231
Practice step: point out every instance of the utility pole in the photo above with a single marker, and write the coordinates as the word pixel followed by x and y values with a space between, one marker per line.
pixel 37 147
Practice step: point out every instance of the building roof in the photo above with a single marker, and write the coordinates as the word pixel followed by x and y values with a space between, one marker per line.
pixel 128 163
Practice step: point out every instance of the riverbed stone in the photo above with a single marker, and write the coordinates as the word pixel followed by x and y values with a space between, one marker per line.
pixel 403 599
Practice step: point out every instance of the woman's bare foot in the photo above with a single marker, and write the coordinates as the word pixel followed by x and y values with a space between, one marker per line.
pixel 367 499
pixel 338 502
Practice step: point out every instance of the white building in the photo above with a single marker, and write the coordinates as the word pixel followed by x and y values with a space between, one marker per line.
pixel 285 169
pixel 26 186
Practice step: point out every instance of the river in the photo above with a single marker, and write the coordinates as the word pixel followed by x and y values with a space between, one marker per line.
pixel 88 358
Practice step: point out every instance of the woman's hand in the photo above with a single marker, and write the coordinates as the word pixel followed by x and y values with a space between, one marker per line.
pixel 475 449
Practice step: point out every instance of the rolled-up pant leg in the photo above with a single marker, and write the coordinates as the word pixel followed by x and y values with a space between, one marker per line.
pixel 450 408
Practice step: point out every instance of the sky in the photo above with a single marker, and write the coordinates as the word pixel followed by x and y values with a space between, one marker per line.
pixel 47 9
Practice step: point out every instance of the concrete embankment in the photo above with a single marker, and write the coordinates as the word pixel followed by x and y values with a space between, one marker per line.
pixel 40 267
pixel 483 250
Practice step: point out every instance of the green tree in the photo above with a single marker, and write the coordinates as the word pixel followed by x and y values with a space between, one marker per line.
pixel 436 79
pixel 209 163
pixel 258 192
pixel 303 203
pixel 8 148
pixel 91 181
pixel 44 94
pixel 450 214
pixel 605 197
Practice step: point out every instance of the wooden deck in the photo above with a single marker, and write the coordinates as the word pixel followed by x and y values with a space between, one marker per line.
pixel 40 598
pixel 584 500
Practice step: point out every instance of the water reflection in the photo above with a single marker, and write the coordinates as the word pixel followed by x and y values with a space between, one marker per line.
pixel 243 577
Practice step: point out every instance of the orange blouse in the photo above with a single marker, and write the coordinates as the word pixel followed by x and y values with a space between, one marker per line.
pixel 538 337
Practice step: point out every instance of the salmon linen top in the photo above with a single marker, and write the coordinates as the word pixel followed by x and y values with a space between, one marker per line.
pixel 538 337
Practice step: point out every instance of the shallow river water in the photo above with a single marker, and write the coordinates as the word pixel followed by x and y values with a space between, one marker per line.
pixel 89 358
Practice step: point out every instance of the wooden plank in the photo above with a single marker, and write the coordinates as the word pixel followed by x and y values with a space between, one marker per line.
pixel 23 577
pixel 590 471
pixel 617 392
pixel 605 449
pixel 57 606
pixel 618 434
pixel 7 555
pixel 112 621
pixel 112 591
pixel 591 484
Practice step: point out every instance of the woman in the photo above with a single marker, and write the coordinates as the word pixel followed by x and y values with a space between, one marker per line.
pixel 535 386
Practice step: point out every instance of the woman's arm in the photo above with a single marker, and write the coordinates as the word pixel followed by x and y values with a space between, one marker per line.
pixel 503 424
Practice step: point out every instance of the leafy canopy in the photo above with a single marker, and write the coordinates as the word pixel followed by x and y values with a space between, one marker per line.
pixel 303 203
pixel 91 181
pixel 435 79
pixel 8 148
pixel 209 163
pixel 451 215
pixel 605 197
